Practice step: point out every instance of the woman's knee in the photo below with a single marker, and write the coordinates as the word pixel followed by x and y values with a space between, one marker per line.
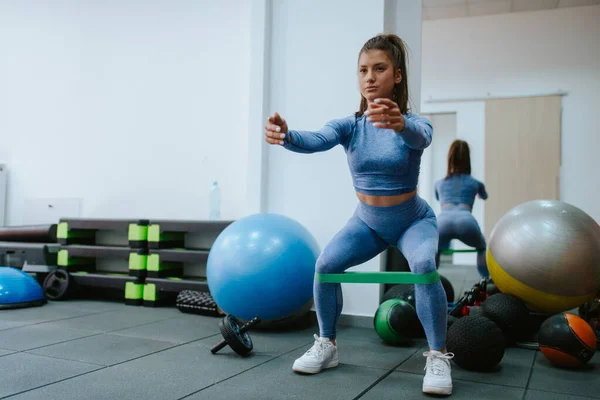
pixel 423 264
pixel 328 265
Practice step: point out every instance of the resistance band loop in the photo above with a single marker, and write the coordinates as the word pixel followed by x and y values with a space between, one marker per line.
pixel 379 277
pixel 451 251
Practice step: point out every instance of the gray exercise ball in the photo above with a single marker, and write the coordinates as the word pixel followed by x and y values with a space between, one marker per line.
pixel 547 253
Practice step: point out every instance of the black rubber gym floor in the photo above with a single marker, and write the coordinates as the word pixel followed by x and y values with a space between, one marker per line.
pixel 103 350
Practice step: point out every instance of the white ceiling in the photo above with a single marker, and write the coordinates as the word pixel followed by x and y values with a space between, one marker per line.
pixel 440 9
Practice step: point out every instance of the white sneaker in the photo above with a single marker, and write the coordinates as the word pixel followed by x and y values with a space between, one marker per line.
pixel 438 379
pixel 323 354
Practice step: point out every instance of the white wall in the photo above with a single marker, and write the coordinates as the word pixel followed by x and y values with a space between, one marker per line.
pixel 3 186
pixel 524 54
pixel 134 107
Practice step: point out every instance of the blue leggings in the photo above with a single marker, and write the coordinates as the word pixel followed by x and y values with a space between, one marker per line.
pixel 412 227
pixel 456 222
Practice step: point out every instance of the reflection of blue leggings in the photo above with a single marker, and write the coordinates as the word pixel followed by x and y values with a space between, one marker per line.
pixel 412 227
pixel 457 222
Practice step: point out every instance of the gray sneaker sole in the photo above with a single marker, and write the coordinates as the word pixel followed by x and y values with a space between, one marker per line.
pixel 314 370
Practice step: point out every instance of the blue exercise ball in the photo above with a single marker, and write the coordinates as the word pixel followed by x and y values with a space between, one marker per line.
pixel 18 289
pixel 262 265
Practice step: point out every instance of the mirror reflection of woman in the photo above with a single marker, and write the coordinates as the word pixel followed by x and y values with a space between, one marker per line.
pixel 456 193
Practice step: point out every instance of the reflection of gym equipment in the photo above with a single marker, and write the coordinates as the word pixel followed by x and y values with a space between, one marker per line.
pixel 394 261
pixel 452 251
pixel 446 256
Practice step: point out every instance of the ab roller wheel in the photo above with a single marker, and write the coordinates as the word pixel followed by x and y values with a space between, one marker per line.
pixel 235 335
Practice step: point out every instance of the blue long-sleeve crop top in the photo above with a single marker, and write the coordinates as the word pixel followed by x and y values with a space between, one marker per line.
pixel 459 189
pixel 382 162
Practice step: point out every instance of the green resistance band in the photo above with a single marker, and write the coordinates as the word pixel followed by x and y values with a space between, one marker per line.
pixel 379 277
pixel 450 251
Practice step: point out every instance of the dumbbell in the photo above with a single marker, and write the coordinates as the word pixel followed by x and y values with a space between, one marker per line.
pixel 235 335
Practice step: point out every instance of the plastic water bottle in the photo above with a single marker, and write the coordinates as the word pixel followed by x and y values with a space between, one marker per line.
pixel 214 202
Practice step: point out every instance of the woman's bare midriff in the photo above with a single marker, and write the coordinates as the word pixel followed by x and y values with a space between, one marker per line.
pixel 385 201
pixel 461 204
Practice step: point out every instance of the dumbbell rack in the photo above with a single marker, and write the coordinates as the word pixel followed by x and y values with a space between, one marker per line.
pixel 145 262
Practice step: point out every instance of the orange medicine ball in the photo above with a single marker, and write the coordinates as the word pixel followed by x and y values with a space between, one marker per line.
pixel 567 340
